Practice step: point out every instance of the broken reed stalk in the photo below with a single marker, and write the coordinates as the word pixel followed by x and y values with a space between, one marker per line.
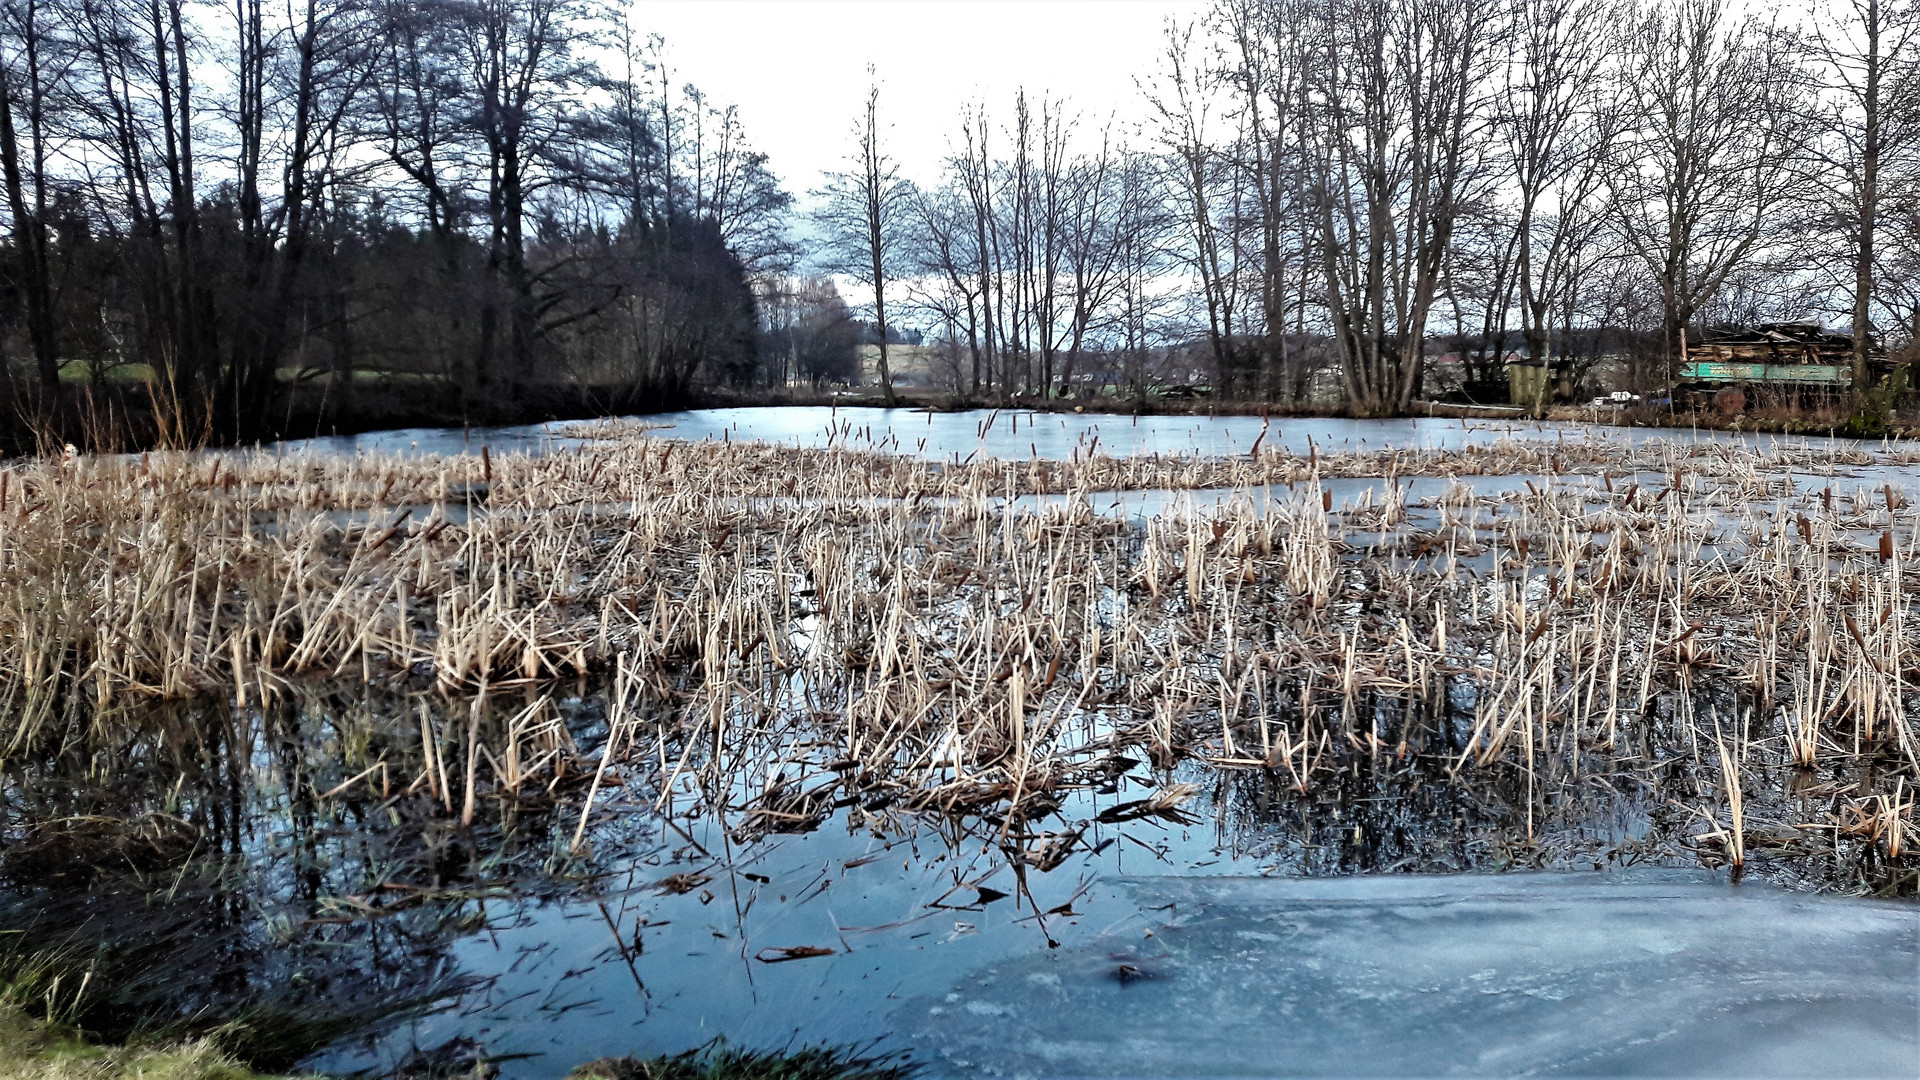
pixel 1736 830
pixel 617 725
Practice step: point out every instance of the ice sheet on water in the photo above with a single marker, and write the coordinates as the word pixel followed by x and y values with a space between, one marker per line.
pixel 1017 435
pixel 1635 974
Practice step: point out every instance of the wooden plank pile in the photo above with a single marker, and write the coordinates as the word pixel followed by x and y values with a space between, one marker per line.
pixel 1773 343
pixel 1796 354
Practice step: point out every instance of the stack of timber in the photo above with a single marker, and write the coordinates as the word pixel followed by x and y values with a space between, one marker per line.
pixel 1794 354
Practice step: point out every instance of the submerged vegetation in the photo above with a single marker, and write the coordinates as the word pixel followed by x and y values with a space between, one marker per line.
pixel 38 1050
pixel 291 724
pixel 717 1061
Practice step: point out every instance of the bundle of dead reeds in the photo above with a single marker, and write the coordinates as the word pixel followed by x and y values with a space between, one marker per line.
pixel 805 628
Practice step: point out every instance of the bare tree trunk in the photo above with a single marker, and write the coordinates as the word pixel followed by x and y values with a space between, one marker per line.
pixel 30 243
pixel 875 181
pixel 1709 154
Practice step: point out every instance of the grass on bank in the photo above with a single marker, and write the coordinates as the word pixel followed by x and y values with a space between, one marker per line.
pixel 35 1050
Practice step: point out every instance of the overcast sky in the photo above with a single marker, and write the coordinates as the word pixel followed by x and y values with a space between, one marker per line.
pixel 797 69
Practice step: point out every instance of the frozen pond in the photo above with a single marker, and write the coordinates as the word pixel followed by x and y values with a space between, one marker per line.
pixel 1381 910
pixel 1058 436
pixel 949 436
pixel 1162 955
pixel 1637 975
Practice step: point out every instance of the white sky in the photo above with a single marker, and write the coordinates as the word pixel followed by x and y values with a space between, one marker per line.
pixel 797 69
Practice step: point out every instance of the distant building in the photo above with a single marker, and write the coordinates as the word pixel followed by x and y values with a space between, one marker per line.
pixel 1533 384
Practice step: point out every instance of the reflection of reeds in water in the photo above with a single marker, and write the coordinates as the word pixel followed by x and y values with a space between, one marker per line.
pixel 799 630
pixel 197 885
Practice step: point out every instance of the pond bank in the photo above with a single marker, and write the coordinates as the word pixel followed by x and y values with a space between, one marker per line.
pixel 122 423
pixel 35 1050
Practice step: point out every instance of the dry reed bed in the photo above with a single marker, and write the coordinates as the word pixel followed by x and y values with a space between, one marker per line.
pixel 640 468
pixel 788 631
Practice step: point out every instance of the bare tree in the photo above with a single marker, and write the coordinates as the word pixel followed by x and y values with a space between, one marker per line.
pixel 976 171
pixel 1143 230
pixel 1867 117
pixel 297 77
pixel 1708 158
pixel 32 64
pixel 1271 48
pixel 1182 101
pixel 1401 140
pixel 524 71
pixel 1559 124
pixel 863 215
pixel 1093 215
pixel 945 283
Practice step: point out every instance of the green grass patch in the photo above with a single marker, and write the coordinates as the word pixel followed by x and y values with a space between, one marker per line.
pixel 36 1050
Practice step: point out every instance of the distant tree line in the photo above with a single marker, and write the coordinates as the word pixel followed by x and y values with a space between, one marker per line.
pixel 242 220
pixel 246 209
pixel 1341 188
